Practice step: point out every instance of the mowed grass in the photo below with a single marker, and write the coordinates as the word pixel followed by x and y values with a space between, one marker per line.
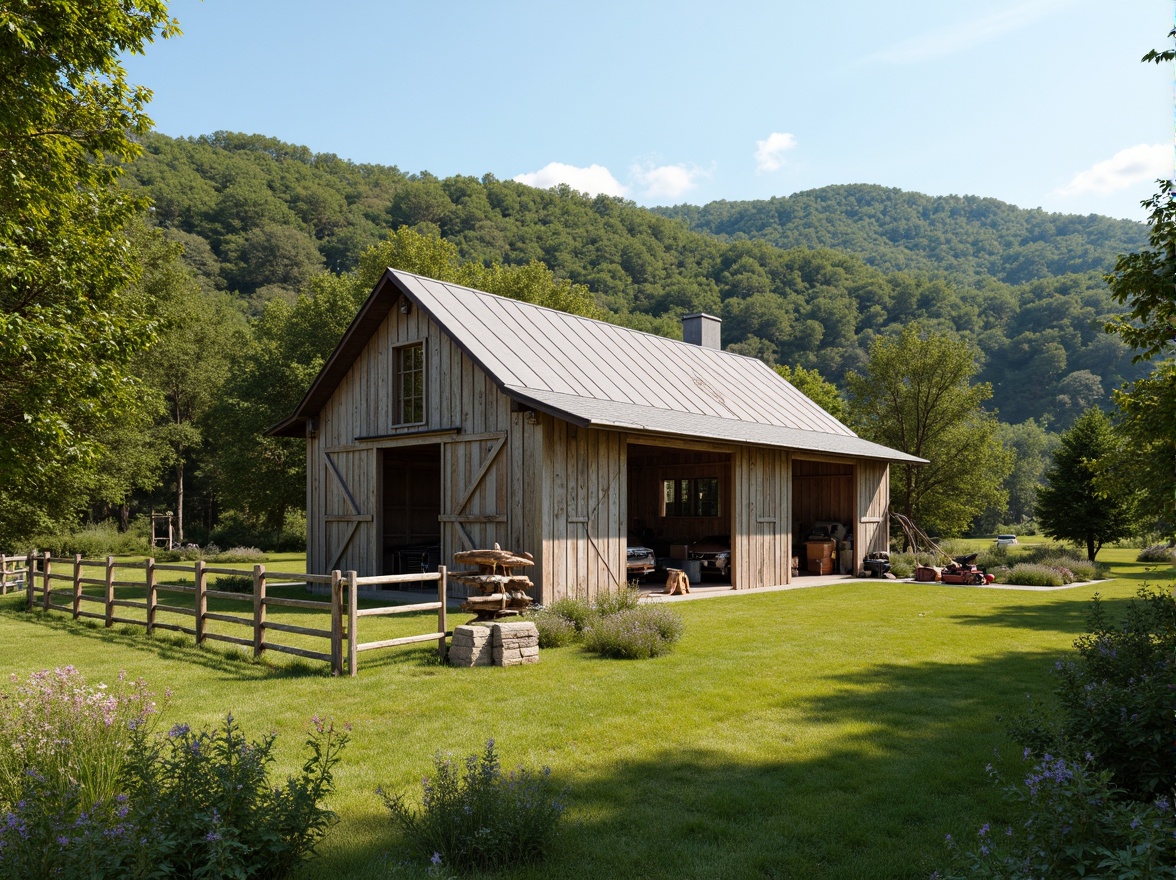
pixel 836 731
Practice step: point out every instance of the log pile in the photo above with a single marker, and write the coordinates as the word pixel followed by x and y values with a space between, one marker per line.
pixel 501 592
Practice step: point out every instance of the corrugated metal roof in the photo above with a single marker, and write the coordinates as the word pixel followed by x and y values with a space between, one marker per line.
pixel 595 373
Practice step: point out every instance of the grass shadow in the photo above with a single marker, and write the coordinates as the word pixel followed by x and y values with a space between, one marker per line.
pixel 226 660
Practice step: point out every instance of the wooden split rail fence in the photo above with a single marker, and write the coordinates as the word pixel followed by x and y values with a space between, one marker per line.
pixel 48 579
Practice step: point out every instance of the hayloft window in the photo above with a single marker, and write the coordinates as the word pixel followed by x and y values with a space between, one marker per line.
pixel 697 496
pixel 410 384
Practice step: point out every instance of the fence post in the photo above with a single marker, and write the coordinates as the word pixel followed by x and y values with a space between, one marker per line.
pixel 110 591
pixel 31 565
pixel 442 590
pixel 258 609
pixel 46 581
pixel 3 575
pixel 336 623
pixel 352 623
pixel 77 585
pixel 201 609
pixel 152 594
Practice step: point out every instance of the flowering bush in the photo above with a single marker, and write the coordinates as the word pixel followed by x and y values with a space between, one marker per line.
pixel 555 630
pixel 614 624
pixel 213 810
pixel 73 734
pixel 636 633
pixel 88 790
pixel 1158 553
pixel 1033 574
pixel 480 819
pixel 1078 825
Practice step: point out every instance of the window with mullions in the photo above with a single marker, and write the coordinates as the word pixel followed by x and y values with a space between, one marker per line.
pixel 697 496
pixel 410 384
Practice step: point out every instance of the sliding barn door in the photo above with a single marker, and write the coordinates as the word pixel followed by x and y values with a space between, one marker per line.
pixel 349 480
pixel 474 491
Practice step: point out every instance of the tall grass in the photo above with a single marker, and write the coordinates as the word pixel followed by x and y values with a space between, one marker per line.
pixel 71 733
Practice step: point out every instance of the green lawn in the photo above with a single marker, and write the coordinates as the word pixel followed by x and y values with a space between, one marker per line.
pixel 835 731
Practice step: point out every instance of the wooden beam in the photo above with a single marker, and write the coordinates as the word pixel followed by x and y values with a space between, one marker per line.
pixel 343 485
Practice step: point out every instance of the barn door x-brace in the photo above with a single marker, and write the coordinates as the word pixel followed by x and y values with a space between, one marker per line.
pixel 457 502
pixel 354 518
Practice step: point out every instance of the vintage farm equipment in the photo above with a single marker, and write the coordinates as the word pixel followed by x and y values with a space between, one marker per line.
pixel 955 569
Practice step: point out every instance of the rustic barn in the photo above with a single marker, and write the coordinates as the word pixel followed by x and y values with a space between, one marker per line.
pixel 448 418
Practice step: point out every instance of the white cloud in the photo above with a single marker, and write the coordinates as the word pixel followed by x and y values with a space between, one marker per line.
pixel 1125 168
pixel 665 181
pixel 769 154
pixel 594 179
pixel 964 35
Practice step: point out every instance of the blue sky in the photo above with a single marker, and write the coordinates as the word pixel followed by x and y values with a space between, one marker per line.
pixel 1041 103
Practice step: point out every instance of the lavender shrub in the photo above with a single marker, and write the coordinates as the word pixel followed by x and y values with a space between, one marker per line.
pixel 636 633
pixel 479 818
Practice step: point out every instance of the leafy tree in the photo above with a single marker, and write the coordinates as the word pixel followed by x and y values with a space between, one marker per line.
pixel 815 388
pixel 1146 426
pixel 1144 281
pixel 68 119
pixel 199 331
pixel 1032 447
pixel 917 396
pixel 1077 504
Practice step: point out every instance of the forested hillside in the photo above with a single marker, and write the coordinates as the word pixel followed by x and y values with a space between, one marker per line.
pixel 966 237
pixel 260 217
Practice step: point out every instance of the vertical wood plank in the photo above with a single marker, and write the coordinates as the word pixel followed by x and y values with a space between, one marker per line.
pixel 46 582
pixel 352 624
pixel 152 594
pixel 201 609
pixel 442 598
pixel 336 622
pixel 77 585
pixel 109 591
pixel 258 609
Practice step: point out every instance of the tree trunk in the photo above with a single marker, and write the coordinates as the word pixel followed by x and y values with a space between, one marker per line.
pixel 124 517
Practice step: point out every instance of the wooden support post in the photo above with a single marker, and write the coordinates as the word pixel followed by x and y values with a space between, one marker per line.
pixel 77 585
pixel 352 623
pixel 201 600
pixel 336 623
pixel 152 594
pixel 31 565
pixel 47 561
pixel 109 591
pixel 258 610
pixel 442 590
pixel 3 575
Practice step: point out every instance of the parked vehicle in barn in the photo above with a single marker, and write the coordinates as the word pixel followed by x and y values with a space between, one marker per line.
pixel 639 562
pixel 714 552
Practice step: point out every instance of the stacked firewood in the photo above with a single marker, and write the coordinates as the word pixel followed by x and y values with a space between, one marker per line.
pixel 502 592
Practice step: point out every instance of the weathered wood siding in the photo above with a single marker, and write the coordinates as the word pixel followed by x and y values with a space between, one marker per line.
pixel 873 505
pixel 761 535
pixel 480 454
pixel 584 503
